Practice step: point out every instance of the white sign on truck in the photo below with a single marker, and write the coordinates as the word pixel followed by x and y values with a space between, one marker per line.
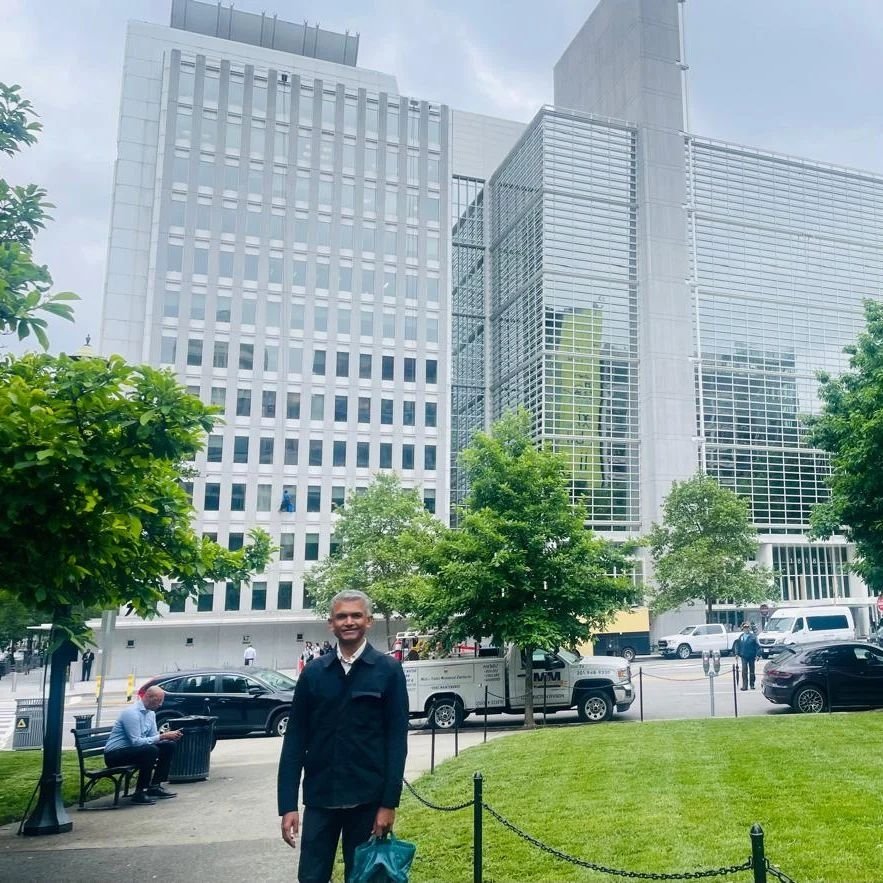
pixel 447 690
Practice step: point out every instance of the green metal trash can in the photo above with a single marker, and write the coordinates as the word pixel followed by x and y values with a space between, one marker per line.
pixel 194 751
pixel 28 726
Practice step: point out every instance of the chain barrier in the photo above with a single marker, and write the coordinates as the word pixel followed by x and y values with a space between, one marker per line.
pixel 431 805
pixel 592 866
pixel 680 680
pixel 773 871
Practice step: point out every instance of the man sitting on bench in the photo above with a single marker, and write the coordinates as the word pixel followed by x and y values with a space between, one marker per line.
pixel 135 741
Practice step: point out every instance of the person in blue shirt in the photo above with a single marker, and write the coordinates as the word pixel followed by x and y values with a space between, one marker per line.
pixel 747 649
pixel 135 741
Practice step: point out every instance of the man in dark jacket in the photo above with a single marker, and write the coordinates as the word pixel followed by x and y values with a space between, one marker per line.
pixel 747 649
pixel 348 735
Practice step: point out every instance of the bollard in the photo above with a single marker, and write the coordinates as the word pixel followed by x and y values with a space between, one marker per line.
pixel 432 746
pixel 130 687
pixel 97 685
pixel 641 691
pixel 456 738
pixel 735 691
pixel 477 807
pixel 485 714
pixel 828 685
pixel 545 682
pixel 14 678
pixel 758 858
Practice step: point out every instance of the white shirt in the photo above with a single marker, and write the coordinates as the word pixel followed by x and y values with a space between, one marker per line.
pixel 250 653
pixel 347 661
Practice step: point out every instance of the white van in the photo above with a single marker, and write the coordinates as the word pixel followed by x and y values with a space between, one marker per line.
pixel 803 625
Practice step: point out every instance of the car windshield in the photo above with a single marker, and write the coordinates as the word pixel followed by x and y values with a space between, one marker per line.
pixel 780 624
pixel 568 656
pixel 687 631
pixel 276 679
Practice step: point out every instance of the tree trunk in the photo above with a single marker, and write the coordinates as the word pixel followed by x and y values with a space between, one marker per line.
pixel 388 635
pixel 709 601
pixel 529 721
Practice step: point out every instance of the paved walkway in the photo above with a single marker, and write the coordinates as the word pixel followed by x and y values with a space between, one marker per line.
pixel 223 829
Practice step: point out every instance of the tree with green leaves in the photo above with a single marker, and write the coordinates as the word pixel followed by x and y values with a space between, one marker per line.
pixel 704 548
pixel 522 567
pixel 24 285
pixel 382 538
pixel 850 429
pixel 92 456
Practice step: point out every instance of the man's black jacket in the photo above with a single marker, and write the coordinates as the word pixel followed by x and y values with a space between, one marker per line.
pixel 348 734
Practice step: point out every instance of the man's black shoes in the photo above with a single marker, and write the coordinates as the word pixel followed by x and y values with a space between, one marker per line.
pixel 160 793
pixel 142 798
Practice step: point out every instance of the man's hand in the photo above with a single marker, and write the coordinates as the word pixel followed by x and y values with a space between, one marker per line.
pixel 290 827
pixel 383 822
pixel 171 735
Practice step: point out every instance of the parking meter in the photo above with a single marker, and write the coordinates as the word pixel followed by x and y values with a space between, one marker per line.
pixel 706 661
pixel 716 661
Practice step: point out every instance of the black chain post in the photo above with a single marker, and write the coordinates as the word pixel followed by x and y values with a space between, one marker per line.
pixel 758 859
pixel 641 690
pixel 456 734
pixel 485 714
pixel 735 694
pixel 477 806
pixel 432 743
pixel 545 684
pixel 828 684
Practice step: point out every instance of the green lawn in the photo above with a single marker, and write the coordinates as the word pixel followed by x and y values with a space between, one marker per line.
pixel 668 796
pixel 20 772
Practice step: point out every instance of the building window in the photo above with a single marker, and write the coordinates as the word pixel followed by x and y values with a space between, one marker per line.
pixel 283 598
pixel 338 453
pixel 268 403
pixel 219 359
pixel 340 409
pixel 240 449
pixel 286 547
pixel 259 596
pixel 232 597
pixel 291 445
pixel 429 457
pixel 265 497
pixel 431 371
pixel 315 452
pixel 235 541
pixel 407 456
pixel 317 406
pixel 237 497
pixel 343 365
pixel 338 497
pixel 386 412
pixel 314 498
pixel 362 451
pixel 385 455
pixel 409 413
pixel 429 500
pixel 311 547
pixel 364 409
pixel 212 500
pixel 387 368
pixel 215 449
pixel 430 413
pixel 219 397
pixel 194 352
pixel 292 406
pixel 410 370
pixel 319 363
pixel 205 601
pixel 246 356
pixel 265 451
pixel 364 366
pixel 243 403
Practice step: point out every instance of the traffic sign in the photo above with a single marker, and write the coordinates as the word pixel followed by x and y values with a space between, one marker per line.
pixel 765 609
pixel 880 603
pixel 22 723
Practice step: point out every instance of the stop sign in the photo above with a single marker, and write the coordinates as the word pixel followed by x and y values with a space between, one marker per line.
pixel 765 608
pixel 880 603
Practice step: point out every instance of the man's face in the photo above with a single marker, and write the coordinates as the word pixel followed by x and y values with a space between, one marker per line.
pixel 349 621
pixel 153 699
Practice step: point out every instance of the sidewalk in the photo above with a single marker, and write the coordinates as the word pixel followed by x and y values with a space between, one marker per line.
pixel 225 828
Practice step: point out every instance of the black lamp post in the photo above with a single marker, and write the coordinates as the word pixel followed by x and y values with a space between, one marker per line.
pixel 50 816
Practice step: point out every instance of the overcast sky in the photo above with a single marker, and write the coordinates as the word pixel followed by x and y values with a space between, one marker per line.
pixel 794 76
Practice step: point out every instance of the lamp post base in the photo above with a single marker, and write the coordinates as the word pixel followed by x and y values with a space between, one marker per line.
pixel 50 816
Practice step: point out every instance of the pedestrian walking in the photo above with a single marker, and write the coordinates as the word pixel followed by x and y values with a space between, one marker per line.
pixel 249 656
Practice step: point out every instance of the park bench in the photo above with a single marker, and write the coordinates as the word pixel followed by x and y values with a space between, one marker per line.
pixel 90 743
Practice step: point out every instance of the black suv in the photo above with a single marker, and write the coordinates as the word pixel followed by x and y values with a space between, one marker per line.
pixel 803 677
pixel 243 701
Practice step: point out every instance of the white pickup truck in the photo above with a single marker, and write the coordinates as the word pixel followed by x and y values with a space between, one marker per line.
pixel 447 690
pixel 696 638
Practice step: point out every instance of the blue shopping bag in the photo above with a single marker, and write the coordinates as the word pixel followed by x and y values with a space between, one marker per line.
pixel 383 860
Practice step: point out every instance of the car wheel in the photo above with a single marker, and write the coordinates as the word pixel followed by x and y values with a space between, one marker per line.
pixel 808 700
pixel 628 654
pixel 594 707
pixel 279 724
pixel 163 722
pixel 446 714
pixel 684 651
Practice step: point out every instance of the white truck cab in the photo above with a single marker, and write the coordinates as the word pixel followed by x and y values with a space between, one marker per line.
pixel 447 690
